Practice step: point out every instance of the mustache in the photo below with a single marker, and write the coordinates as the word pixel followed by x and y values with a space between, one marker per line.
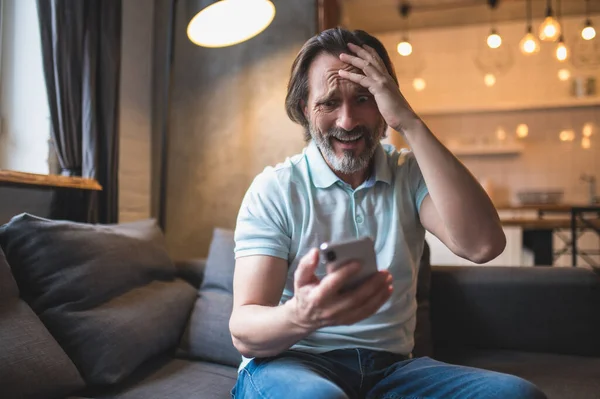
pixel 340 133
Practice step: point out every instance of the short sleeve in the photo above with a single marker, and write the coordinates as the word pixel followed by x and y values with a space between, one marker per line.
pixel 262 226
pixel 417 182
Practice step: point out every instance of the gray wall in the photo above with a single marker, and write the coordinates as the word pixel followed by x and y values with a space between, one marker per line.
pixel 228 122
pixel 15 200
pixel 135 118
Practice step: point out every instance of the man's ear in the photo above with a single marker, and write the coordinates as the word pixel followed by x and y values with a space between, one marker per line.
pixel 304 108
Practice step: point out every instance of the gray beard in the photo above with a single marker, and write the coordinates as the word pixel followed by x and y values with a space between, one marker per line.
pixel 348 163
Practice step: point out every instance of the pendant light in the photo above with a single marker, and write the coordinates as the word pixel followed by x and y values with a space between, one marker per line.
pixel 588 32
pixel 493 40
pixel 227 22
pixel 404 47
pixel 561 49
pixel 550 28
pixel 529 44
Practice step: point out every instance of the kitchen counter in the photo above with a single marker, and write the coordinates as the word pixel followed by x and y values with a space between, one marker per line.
pixel 549 216
pixel 539 222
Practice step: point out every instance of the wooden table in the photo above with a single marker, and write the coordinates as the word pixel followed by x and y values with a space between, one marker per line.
pixel 538 231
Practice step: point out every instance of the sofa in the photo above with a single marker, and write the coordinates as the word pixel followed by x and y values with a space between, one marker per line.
pixel 102 311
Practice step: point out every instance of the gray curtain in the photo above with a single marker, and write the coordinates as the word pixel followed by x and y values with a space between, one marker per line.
pixel 81 48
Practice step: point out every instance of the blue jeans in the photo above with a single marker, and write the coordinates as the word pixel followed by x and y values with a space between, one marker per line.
pixel 361 373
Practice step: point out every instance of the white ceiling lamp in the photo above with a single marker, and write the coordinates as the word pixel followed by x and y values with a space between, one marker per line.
pixel 530 43
pixel 493 40
pixel 489 79
pixel 227 22
pixel 549 29
pixel 404 47
pixel 588 32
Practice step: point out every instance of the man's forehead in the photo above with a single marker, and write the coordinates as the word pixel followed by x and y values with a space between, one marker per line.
pixel 323 75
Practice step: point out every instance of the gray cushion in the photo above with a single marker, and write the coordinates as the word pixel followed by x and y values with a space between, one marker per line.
pixel 32 364
pixel 207 333
pixel 108 294
pixel 537 309
pixel 558 376
pixel 173 379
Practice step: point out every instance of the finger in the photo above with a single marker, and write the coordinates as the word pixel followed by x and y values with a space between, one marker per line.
pixel 375 56
pixel 351 300
pixel 305 272
pixel 361 79
pixel 333 282
pixel 364 65
pixel 363 53
pixel 367 308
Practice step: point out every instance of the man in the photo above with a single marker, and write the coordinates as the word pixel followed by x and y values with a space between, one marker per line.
pixel 300 334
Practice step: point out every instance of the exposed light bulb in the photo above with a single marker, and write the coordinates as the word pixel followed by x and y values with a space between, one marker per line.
pixel 561 51
pixel 588 33
pixel 489 80
pixel 494 40
pixel 567 135
pixel 564 74
pixel 404 48
pixel 549 29
pixel 500 134
pixel 586 143
pixel 588 129
pixel 529 44
pixel 419 84
pixel 522 131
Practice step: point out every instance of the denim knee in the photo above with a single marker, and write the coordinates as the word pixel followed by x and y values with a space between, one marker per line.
pixel 517 388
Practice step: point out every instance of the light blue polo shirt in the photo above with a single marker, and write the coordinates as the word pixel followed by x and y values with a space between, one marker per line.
pixel 301 203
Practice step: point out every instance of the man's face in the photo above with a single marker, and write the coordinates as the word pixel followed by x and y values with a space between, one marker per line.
pixel 343 117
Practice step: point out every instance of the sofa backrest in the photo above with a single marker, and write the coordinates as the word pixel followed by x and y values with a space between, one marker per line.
pixel 537 309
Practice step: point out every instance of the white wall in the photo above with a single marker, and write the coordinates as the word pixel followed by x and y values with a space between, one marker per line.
pixel 23 101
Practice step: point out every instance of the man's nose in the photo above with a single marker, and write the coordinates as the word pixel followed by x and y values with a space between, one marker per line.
pixel 347 118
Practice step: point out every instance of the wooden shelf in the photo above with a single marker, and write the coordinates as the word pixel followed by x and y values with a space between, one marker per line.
pixel 480 150
pixel 508 106
pixel 547 224
pixel 9 177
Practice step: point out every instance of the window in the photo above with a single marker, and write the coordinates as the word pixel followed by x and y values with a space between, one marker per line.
pixel 25 116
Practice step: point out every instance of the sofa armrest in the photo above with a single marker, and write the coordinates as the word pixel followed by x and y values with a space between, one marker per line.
pixel 537 309
pixel 191 270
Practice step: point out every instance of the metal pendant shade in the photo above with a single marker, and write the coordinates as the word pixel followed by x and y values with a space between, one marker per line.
pixel 227 22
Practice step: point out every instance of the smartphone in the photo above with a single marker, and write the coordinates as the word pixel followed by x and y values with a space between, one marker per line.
pixel 337 254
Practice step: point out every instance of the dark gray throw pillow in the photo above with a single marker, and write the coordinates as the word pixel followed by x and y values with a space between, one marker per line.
pixel 107 293
pixel 206 336
pixel 32 364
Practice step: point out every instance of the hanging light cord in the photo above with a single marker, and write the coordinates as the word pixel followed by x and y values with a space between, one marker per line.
pixel 587 12
pixel 493 4
pixel 548 8
pixel 529 27
pixel 404 11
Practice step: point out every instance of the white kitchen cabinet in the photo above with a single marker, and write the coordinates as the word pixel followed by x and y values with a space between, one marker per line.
pixel 513 254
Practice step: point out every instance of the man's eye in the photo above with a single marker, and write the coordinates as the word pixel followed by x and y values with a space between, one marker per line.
pixel 362 99
pixel 329 104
